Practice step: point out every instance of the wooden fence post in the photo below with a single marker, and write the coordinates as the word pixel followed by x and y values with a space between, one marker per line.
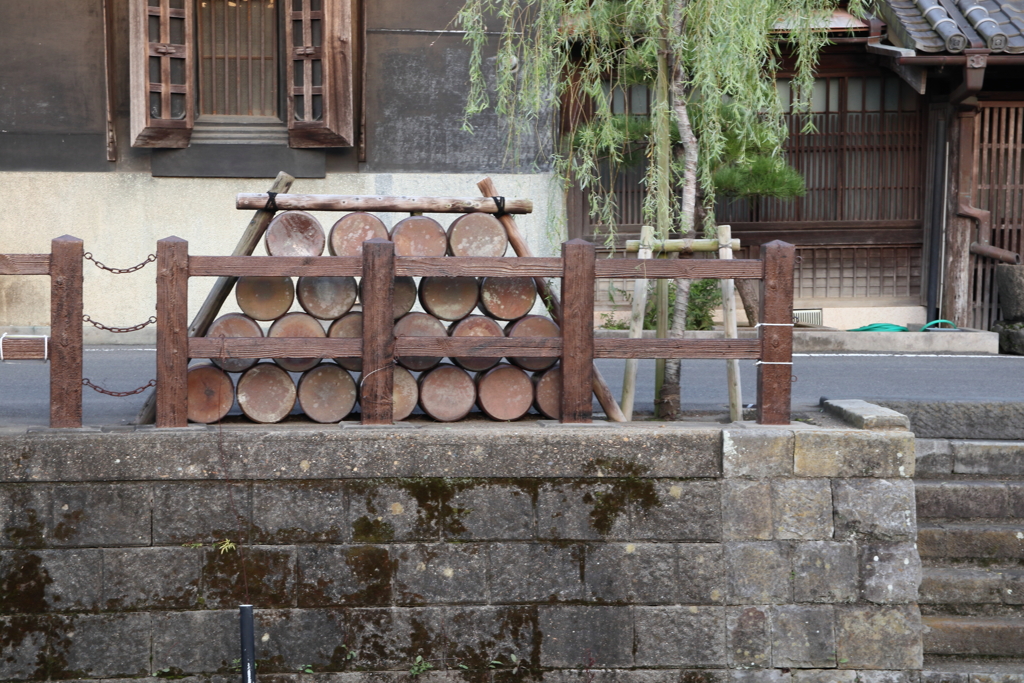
pixel 775 371
pixel 66 332
pixel 171 332
pixel 376 391
pixel 579 258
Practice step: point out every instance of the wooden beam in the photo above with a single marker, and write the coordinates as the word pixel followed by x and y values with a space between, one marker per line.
pixel 337 266
pixel 676 348
pixel 340 202
pixel 24 264
pixel 671 269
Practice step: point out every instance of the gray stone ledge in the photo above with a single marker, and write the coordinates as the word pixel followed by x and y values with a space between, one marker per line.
pixel 864 415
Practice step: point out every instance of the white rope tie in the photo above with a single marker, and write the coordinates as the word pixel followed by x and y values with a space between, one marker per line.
pixel 2 337
pixel 768 362
pixel 773 325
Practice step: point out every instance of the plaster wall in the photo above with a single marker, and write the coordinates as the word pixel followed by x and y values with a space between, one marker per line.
pixel 120 217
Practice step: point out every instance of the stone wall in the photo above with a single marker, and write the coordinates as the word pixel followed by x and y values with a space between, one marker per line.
pixel 509 552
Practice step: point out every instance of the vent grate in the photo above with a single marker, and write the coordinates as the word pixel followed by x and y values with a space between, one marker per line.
pixel 808 316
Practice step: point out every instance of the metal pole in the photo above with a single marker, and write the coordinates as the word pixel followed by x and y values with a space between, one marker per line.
pixel 248 644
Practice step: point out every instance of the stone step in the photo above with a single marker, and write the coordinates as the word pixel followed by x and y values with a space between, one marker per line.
pixel 952 540
pixel 940 669
pixel 969 499
pixel 973 636
pixel 971 586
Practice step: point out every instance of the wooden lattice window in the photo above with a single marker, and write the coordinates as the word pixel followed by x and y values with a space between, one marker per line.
pixel 227 50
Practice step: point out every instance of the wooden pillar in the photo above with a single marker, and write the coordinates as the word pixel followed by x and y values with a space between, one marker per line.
pixel 579 258
pixel 774 374
pixel 376 396
pixel 956 292
pixel 66 332
pixel 172 332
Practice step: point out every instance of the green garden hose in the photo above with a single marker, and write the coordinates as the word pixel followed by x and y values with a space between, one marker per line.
pixel 889 327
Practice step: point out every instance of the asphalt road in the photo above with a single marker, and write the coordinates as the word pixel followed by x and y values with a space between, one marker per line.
pixel 24 385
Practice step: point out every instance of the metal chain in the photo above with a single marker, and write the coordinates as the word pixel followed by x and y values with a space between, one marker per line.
pixel 120 271
pixel 118 330
pixel 87 383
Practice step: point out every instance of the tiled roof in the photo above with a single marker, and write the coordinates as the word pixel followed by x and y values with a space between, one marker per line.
pixel 953 25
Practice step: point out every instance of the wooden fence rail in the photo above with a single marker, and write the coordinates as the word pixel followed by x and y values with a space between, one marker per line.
pixel 64 347
pixel 578 267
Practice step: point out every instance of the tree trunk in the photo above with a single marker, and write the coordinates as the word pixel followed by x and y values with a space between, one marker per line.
pixel 749 295
pixel 668 401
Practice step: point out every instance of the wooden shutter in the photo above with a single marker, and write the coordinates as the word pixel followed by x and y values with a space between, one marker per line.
pixel 318 39
pixel 162 80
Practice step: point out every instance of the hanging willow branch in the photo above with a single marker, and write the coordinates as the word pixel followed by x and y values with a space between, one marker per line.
pixel 580 51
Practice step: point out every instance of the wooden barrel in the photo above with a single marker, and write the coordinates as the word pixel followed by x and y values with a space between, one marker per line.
pixel 533 326
pixel 296 325
pixel 264 298
pixel 504 392
pixel 266 393
pixel 476 326
pixel 405 294
pixel 210 393
pixel 419 236
pixel 326 298
pixel 447 393
pixel 349 233
pixel 419 325
pixel 294 233
pixel 547 389
pixel 348 326
pixel 327 393
pixel 507 298
pixel 405 394
pixel 449 298
pixel 477 234
pixel 234 325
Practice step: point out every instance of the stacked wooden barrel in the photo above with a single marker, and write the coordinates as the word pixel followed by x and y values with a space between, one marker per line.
pixel 326 390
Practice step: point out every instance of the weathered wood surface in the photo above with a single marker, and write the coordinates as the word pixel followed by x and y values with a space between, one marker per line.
pixel 327 393
pixel 297 325
pixel 404 397
pixel 266 393
pixel 449 298
pixel 419 236
pixel 479 267
pixel 676 348
pixel 349 233
pixel 547 393
pixel 276 266
pixel 376 391
pixel 66 332
pixel 732 366
pixel 521 248
pixel 330 347
pixel 774 374
pixel 210 393
pixel 533 327
pixel 674 269
pixel 233 325
pixel 578 331
pixel 295 233
pixel 339 202
pixel 476 326
pixel 24 264
pixel 477 234
pixel 326 298
pixel 636 323
pixel 20 348
pixel 447 393
pixel 505 392
pixel 221 289
pixel 507 298
pixel 171 332
pixel 263 297
pixel 349 327
pixel 419 325
pixel 684 246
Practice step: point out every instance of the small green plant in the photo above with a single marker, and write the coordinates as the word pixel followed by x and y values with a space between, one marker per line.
pixel 169 672
pixel 226 546
pixel 420 666
pixel 191 545
pixel 306 669
pixel 349 654
pixel 610 322
pixel 705 297
pixel 514 664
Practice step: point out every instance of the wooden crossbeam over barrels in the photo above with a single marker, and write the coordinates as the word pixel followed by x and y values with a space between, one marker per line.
pixel 340 202
pixel 64 348
pixel 378 346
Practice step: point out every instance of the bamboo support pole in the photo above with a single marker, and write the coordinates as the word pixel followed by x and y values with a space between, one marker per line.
pixel 683 246
pixel 522 249
pixel 636 324
pixel 732 366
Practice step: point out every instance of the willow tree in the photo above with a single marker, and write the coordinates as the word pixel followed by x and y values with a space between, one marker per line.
pixel 710 68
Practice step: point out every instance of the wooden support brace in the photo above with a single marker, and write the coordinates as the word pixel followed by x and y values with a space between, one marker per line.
pixel 732 366
pixel 376 395
pixel 171 332
pixel 578 330
pixel 66 332
pixel 775 369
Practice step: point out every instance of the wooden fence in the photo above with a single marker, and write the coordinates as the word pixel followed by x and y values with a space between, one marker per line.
pixel 378 347
pixel 64 346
